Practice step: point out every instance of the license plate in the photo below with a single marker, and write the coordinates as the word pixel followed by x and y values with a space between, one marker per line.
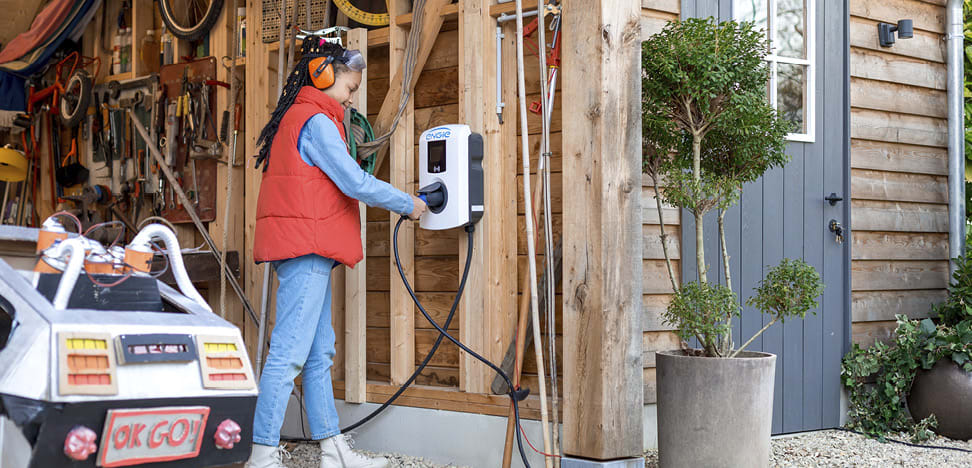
pixel 148 435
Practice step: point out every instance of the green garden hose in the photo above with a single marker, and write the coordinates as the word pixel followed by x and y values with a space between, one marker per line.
pixel 361 132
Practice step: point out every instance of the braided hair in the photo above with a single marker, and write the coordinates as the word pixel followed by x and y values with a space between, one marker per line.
pixel 312 47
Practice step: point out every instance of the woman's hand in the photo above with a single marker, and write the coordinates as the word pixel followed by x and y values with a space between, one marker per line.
pixel 418 209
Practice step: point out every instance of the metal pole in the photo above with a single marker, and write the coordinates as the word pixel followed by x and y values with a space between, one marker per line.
pixel 956 132
pixel 174 182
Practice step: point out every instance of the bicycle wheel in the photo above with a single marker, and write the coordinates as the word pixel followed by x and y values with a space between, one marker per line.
pixel 74 101
pixel 190 19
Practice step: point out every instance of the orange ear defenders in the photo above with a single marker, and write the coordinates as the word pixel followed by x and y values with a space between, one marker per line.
pixel 321 72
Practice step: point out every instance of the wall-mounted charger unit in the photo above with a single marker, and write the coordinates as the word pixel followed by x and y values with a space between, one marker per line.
pixel 451 176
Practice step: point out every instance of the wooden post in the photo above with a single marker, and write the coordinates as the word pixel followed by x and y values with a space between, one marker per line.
pixel 402 176
pixel 221 41
pixel 260 102
pixel 472 83
pixel 355 359
pixel 603 393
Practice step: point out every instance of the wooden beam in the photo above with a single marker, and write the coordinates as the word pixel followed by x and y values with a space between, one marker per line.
pixel 402 176
pixel 447 11
pixel 474 53
pixel 259 99
pixel 230 193
pixel 603 377
pixel 356 281
pixel 431 24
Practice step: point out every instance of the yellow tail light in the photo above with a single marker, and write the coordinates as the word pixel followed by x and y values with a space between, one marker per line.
pixel 223 363
pixel 86 364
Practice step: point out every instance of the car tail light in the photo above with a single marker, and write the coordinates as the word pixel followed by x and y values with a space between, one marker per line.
pixel 86 364
pixel 224 363
pixel 80 443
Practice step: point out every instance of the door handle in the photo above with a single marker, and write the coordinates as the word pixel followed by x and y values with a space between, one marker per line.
pixel 833 198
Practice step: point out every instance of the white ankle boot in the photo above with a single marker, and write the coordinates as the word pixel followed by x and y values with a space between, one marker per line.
pixel 267 456
pixel 336 452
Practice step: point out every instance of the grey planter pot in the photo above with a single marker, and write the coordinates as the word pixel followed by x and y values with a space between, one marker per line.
pixel 946 391
pixel 715 412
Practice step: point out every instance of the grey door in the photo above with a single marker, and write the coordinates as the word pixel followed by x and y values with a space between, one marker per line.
pixel 785 214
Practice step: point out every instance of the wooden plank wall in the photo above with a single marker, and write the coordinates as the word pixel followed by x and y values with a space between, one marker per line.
pixel 436 102
pixel 655 14
pixel 898 166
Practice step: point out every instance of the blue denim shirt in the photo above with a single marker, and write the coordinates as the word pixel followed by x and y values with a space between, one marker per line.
pixel 320 145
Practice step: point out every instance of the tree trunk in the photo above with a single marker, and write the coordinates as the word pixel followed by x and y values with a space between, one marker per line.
pixel 697 179
pixel 724 249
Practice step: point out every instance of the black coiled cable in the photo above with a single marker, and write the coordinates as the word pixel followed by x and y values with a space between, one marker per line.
pixel 444 334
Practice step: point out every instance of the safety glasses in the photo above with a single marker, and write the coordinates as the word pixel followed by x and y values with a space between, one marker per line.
pixel 353 59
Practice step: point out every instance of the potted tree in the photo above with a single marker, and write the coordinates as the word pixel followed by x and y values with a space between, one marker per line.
pixel 708 130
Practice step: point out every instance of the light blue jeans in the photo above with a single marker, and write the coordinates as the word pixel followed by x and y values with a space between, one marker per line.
pixel 302 342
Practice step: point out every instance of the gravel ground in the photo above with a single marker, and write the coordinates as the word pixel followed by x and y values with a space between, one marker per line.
pixel 844 449
pixel 821 448
pixel 306 455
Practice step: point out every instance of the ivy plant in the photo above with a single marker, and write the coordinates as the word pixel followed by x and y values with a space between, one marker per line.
pixel 879 377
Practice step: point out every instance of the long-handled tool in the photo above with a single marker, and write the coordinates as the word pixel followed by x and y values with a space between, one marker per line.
pixel 531 248
pixel 174 184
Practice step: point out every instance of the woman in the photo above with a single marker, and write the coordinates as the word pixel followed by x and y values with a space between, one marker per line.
pixel 307 224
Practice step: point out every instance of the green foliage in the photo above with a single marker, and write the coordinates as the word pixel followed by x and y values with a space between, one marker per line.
pixel 703 310
pixel 879 378
pixel 790 289
pixel 880 407
pixel 958 306
pixel 704 96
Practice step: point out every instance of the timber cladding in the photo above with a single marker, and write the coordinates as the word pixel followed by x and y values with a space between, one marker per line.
pixel 899 210
pixel 899 165
pixel 657 288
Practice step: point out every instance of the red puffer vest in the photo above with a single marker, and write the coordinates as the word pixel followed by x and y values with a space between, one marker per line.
pixel 300 211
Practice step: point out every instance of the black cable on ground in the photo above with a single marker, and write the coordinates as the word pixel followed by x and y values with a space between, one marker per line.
pixel 939 447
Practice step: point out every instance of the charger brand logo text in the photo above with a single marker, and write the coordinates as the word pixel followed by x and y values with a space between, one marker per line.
pixel 438 134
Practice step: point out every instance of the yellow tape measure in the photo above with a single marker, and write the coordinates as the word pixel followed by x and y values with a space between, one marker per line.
pixel 361 16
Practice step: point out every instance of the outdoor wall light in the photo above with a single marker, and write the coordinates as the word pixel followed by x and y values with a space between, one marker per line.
pixel 886 32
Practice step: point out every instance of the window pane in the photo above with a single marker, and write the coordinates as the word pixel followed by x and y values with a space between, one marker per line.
pixel 751 10
pixel 789 38
pixel 791 94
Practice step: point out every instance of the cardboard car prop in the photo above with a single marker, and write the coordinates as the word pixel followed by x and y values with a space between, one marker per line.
pixel 116 368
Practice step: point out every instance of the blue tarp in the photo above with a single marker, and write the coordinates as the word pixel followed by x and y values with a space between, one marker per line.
pixel 13 75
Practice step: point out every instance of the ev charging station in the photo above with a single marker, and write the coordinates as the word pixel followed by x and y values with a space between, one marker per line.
pixel 451 176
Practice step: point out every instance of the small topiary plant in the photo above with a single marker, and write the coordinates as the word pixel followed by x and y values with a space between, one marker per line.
pixel 708 130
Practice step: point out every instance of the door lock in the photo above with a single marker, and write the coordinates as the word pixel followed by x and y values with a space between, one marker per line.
pixel 838 231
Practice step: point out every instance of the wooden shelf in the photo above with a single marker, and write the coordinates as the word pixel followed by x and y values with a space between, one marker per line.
pixel 118 77
pixel 275 45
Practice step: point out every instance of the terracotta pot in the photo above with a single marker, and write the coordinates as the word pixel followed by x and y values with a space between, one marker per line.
pixel 946 391
pixel 715 412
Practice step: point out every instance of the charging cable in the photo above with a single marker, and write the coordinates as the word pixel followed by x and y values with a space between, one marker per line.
pixel 515 395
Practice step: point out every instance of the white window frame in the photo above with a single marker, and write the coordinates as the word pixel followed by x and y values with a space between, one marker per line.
pixel 810 62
